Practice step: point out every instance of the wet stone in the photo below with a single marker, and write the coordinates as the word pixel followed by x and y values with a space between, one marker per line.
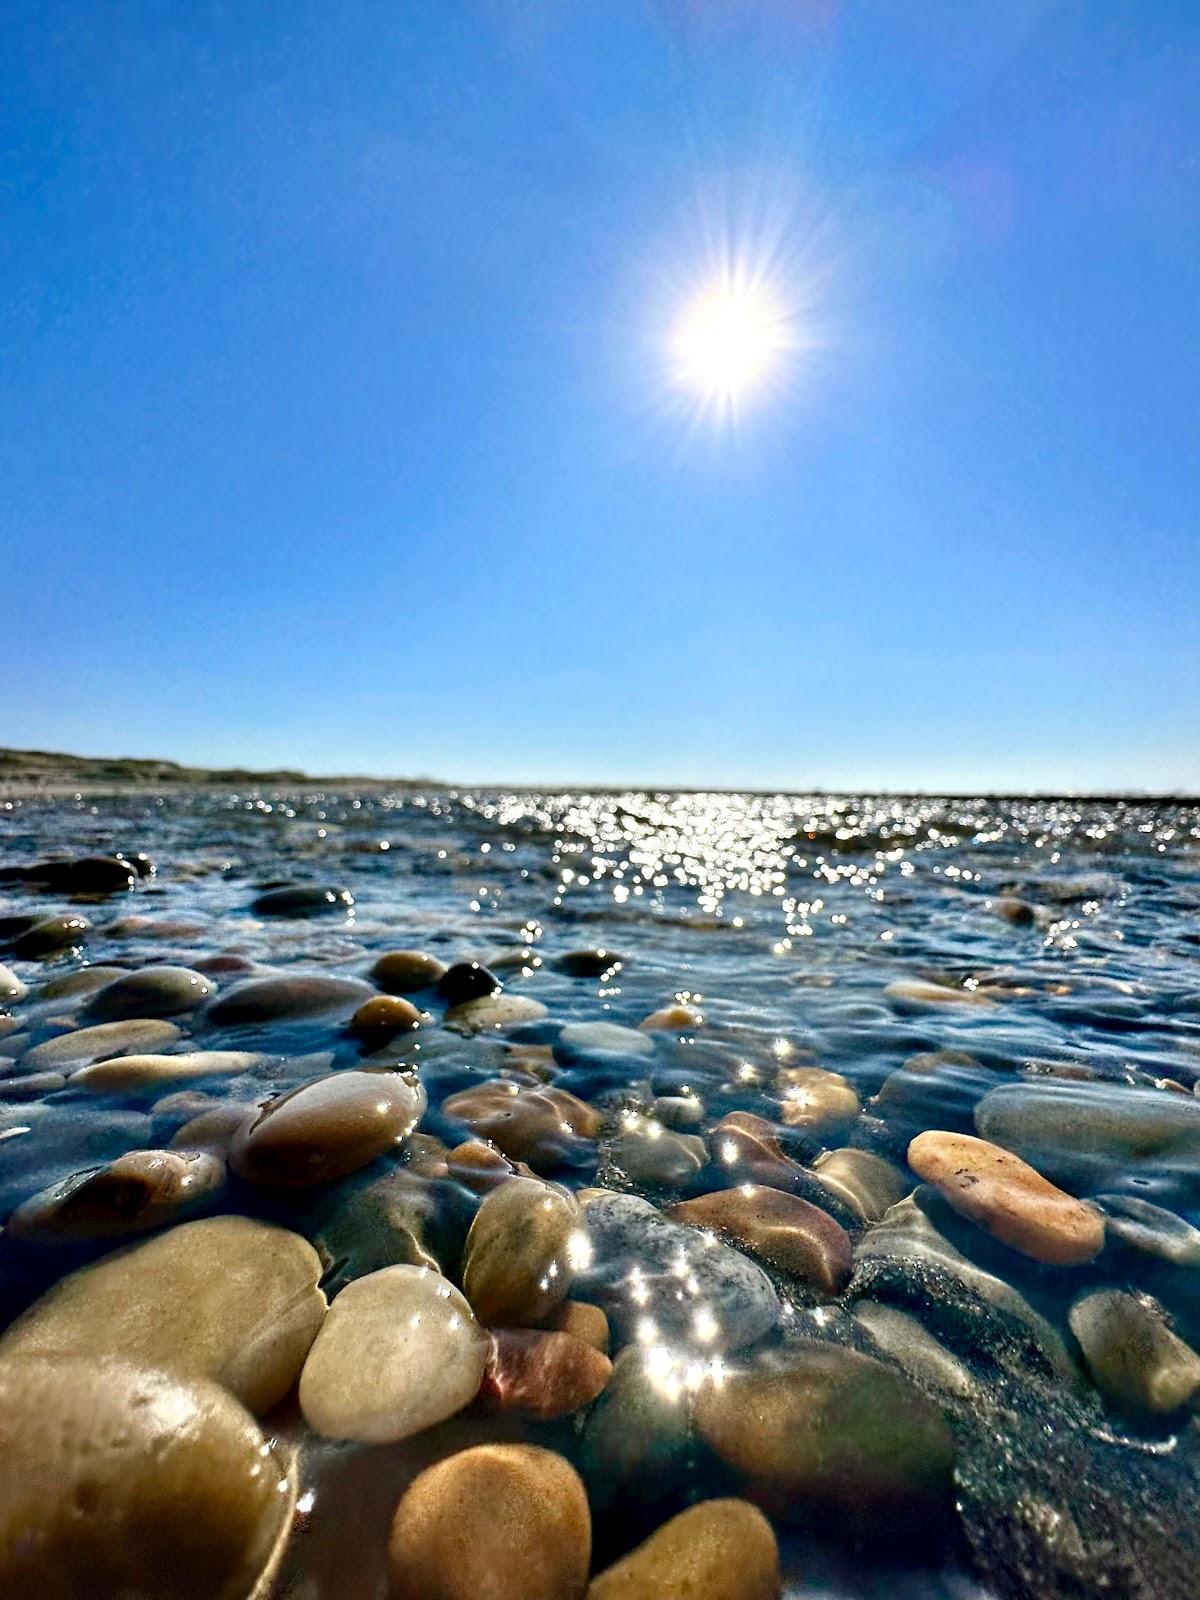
pixel 113 1476
pixel 302 900
pixel 493 1013
pixel 937 1089
pixel 815 1101
pixel 650 1273
pixel 909 995
pixel 865 1183
pixel 599 1044
pixel 678 1111
pixel 636 1446
pixel 52 936
pixel 505 1521
pixel 11 987
pixel 407 971
pixel 148 1074
pixel 280 999
pixel 466 980
pixel 69 985
pixel 31 1086
pixel 647 1152
pixel 225 1298
pixel 328 1128
pixel 547 1127
pixel 589 963
pixel 213 1128
pixel 718 1550
pixel 151 992
pixel 402 1219
pixel 1151 1229
pixel 913 1348
pixel 779 1228
pixel 383 1017
pixel 1003 1194
pixel 535 1373
pixel 833 1439
pixel 141 1190
pixel 746 1148
pixel 1138 1363
pixel 399 1351
pixel 525 1246
pixel 105 1039
pixel 582 1321
pixel 672 1019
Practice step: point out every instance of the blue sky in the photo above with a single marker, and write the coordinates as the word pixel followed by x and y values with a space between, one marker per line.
pixel 337 427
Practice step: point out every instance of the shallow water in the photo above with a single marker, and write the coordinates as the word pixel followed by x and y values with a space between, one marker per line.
pixel 1070 931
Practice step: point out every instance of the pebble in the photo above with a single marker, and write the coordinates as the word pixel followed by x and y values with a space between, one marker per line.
pixel 672 1019
pixel 1007 1197
pixel 1139 1365
pixel 1095 1135
pixel 718 1550
pixel 915 994
pixel 865 1183
pixel 141 1190
pixel 660 1281
pixel 225 1298
pixel 647 1152
pixel 492 1013
pixel 407 971
pixel 481 1167
pixel 92 875
pixel 11 987
pixel 302 900
pixel 501 1521
pixel 328 1128
pixel 52 936
pixel 213 1129
pixel 815 1100
pixel 399 1351
pixel 546 1127
pixel 913 1347
pixel 747 1148
pixel 536 1373
pixel 936 1089
pixel 779 1228
pixel 150 992
pixel 581 1321
pixel 833 1438
pixel 32 1086
pixel 1018 913
pixel 278 999
pixel 116 1481
pixel 1151 1229
pixel 600 1044
pixel 590 963
pixel 383 1016
pixel 526 1243
pixel 402 1219
pixel 466 980
pixel 636 1447
pixel 68 985
pixel 140 1074
pixel 678 1111
pixel 85 1045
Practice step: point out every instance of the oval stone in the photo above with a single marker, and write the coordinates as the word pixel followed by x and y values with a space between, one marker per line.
pixel 534 1373
pixel 302 900
pixel 492 1013
pixel 525 1245
pixel 466 980
pixel 151 992
pixel 407 971
pixel 383 1016
pixel 648 1152
pixel 815 1100
pixel 131 1075
pixel 139 1191
pixel 833 1438
pixel 50 937
pixel 399 1351
pixel 83 1045
pixel 118 1481
pixel 326 1129
pixel 226 1298
pixel 718 1550
pixel 545 1126
pixel 11 987
pixel 798 1238
pixel 278 999
pixel 866 1184
pixel 1139 1365
pixel 505 1521
pixel 1004 1195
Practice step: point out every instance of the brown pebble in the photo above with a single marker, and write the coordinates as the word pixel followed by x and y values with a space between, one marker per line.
pixel 581 1321
pixel 539 1374
pixel 327 1129
pixel 747 1148
pixel 407 971
pixel 717 1550
pixel 384 1016
pixel 496 1522
pixel 138 1191
pixel 539 1125
pixel 780 1228
pixel 1008 1198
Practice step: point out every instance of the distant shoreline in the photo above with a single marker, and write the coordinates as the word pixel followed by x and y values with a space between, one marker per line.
pixel 38 774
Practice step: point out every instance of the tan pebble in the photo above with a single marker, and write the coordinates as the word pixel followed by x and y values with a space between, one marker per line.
pixel 496 1522
pixel 213 1129
pixel 147 1074
pixel 538 1125
pixel 672 1019
pixel 141 1190
pixel 814 1099
pixel 915 994
pixel 581 1321
pixel 1008 1198
pixel 407 971
pixel 866 1183
pixel 717 1550
pixel 226 1298
pixel 133 1036
pixel 526 1243
pixel 384 1016
pixel 116 1481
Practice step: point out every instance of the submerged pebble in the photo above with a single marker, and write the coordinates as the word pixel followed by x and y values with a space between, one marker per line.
pixel 139 1191
pixel 302 900
pixel 525 1246
pixel 104 1039
pixel 407 971
pixel 152 992
pixel 718 1550
pixel 1139 1365
pixel 326 1129
pixel 533 1372
pixel 278 999
pixel 781 1229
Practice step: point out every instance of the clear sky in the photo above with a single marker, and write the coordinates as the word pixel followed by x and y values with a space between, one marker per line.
pixel 340 423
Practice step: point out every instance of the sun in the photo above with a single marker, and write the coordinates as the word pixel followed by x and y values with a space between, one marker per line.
pixel 729 340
